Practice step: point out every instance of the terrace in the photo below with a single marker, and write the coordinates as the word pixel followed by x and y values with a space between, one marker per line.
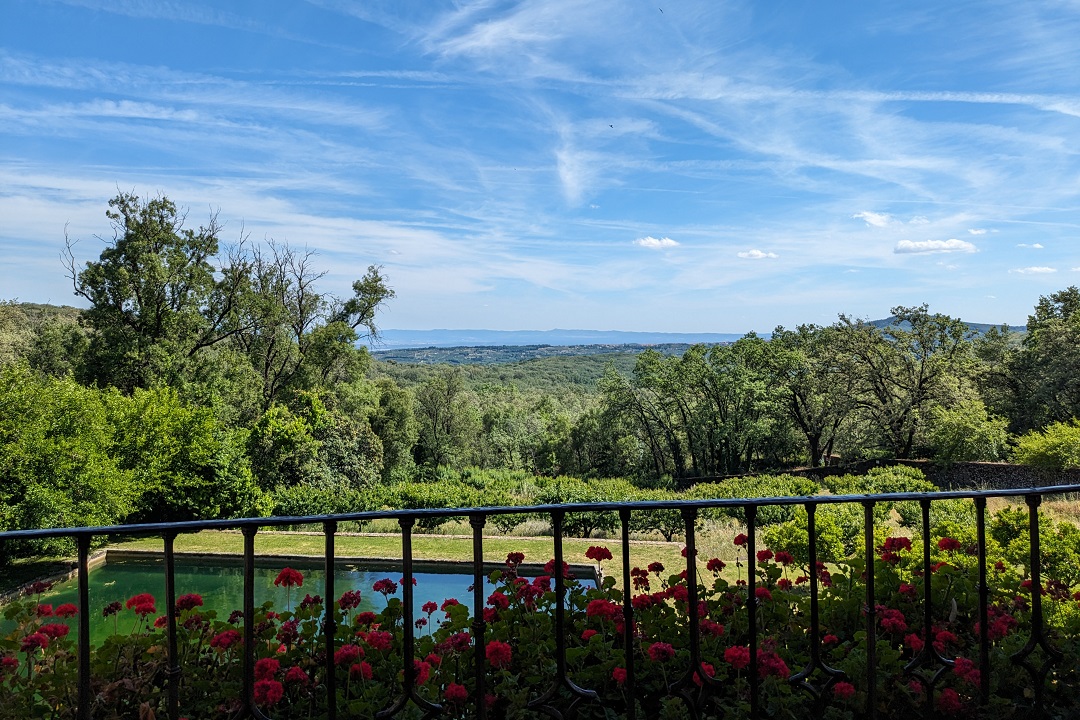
pixel 838 642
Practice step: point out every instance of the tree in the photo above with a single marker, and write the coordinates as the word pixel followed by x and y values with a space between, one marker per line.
pixel 901 370
pixel 295 337
pixel 817 384
pixel 58 466
pixel 1038 382
pixel 967 432
pixel 151 294
pixel 446 420
pixel 184 463
pixel 162 298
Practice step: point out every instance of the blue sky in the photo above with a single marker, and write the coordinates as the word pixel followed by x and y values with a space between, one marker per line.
pixel 659 166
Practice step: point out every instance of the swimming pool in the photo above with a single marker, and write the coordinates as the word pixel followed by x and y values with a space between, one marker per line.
pixel 220 582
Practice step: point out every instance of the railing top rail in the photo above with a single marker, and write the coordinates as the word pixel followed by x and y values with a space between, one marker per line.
pixel 367 515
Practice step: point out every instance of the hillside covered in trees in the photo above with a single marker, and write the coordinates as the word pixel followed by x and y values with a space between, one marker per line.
pixel 206 381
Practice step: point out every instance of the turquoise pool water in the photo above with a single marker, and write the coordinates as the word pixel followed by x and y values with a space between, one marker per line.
pixel 221 587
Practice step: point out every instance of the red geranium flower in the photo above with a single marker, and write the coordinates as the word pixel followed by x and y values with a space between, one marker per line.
pixel 598 553
pixel 189 601
pixel 715 565
pixel 386 586
pixel 762 593
pixel 32 642
pixel 515 558
pixel 661 652
pixel 55 630
pixel 738 656
pixel 266 668
pixel 948 543
pixel 896 544
pixel 843 690
pixel 380 640
pixel 363 670
pixel 422 670
pixel 268 693
pixel 429 607
pixel 763 555
pixel 498 600
pixel 949 702
pixel 46 610
pixel 498 654
pixel 297 675
pixel 656 567
pixel 289 578
pixel 226 639
pixel 740 539
pixel 708 669
pixel 347 654
pixel 66 610
pixel 349 600
pixel 456 693
pixel 619 675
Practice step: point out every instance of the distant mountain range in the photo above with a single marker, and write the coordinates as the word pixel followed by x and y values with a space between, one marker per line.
pixel 400 339
pixel 403 339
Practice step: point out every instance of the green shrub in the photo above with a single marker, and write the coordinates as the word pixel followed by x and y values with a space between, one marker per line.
pixel 763 486
pixel 944 515
pixel 1059 543
pixel 1056 447
pixel 839 530
pixel 299 500
pixel 563 490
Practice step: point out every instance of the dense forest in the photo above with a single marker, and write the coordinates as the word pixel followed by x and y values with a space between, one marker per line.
pixel 205 380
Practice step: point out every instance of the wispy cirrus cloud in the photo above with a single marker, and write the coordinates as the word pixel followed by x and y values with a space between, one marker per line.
pixel 756 254
pixel 1033 246
pixel 911 247
pixel 1034 270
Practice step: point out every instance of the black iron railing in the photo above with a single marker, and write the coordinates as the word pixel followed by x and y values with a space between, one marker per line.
pixel 562 696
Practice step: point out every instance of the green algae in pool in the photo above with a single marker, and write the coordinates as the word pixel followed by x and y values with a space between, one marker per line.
pixel 222 585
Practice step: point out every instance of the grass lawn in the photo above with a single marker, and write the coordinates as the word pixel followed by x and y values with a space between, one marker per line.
pixel 425 547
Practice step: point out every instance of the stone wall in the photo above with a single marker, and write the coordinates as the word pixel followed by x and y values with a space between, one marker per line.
pixel 961 475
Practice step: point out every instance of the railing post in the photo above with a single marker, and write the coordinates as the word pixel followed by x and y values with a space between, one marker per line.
pixel 479 627
pixel 85 698
pixel 871 611
pixel 751 605
pixel 173 671
pixel 329 622
pixel 628 615
pixel 249 622
pixel 984 603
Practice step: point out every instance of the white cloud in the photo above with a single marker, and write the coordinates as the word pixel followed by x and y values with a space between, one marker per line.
pixel 933 246
pixel 1035 270
pixel 757 255
pixel 977 231
pixel 656 243
pixel 919 220
pixel 873 218
pixel 1035 246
